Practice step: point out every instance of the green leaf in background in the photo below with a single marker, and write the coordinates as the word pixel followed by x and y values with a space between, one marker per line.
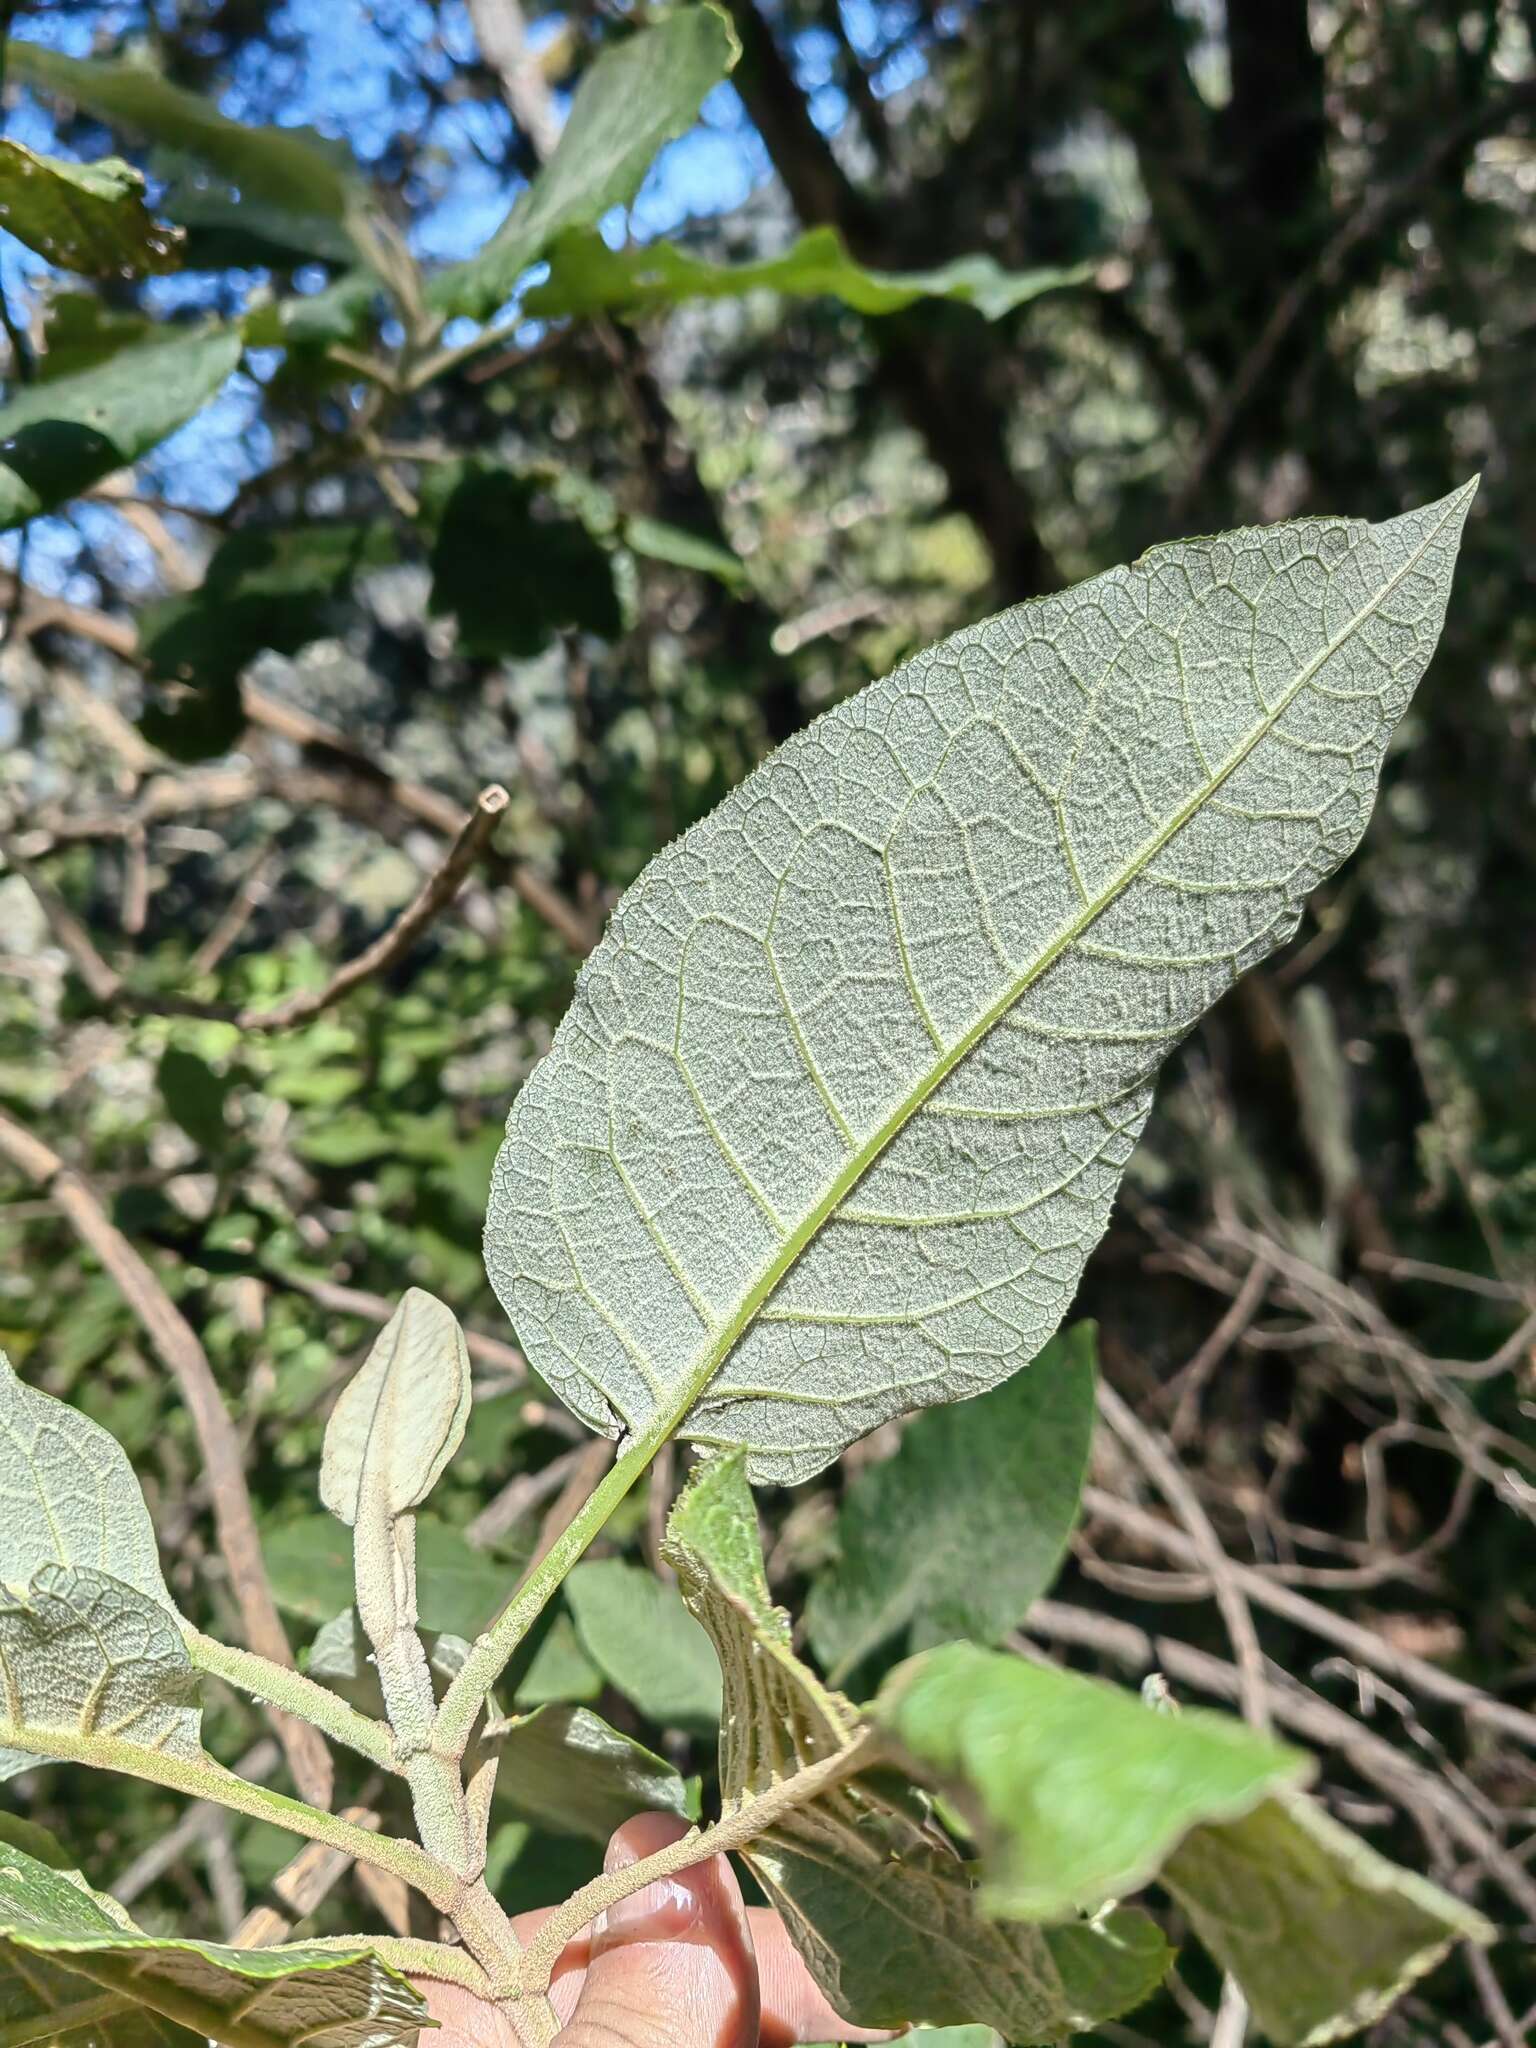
pixel 638 95
pixel 1322 1933
pixel 965 1525
pixel 88 217
pixel 862 1869
pixel 71 1959
pixel 69 1495
pixel 564 1768
pixel 885 1026
pixel 661 542
pixel 195 1095
pixel 586 277
pixel 58 437
pixel 81 330
pixel 642 1638
pixel 264 588
pixel 309 1561
pixel 291 168
pixel 512 570
pixel 1076 1791
pixel 559 1671
pixel 314 319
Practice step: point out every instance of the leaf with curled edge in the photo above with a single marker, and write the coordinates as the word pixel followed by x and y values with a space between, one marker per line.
pixel 72 1962
pixel 1078 1793
pixel 94 1669
pixel 876 1898
pixel 846 1091
pixel 401 1416
pixel 1322 1933
pixel 83 216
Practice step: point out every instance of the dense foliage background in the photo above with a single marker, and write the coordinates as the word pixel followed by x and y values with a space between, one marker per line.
pixel 250 688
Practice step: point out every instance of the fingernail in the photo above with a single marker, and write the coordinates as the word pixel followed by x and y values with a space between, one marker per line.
pixel 662 1912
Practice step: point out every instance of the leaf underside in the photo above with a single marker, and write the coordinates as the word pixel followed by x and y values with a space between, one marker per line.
pixel 72 1963
pixel 845 1093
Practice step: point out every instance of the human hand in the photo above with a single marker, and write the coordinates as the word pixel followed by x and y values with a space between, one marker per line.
pixel 683 1964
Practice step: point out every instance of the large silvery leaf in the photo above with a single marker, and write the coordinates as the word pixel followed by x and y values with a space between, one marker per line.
pixel 72 1964
pixel 93 1668
pixel 1322 1933
pixel 401 1416
pixel 68 1495
pixel 846 1091
pixel 964 1526
pixel 877 1900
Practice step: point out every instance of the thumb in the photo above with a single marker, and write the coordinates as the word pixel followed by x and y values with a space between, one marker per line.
pixel 671 1966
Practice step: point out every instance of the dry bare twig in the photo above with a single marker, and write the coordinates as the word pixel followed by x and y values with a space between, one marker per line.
pixel 435 894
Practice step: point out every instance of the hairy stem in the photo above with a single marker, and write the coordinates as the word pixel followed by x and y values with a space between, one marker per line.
pixel 732 1831
pixel 488 1656
pixel 435 1959
pixel 281 1686
pixel 202 1778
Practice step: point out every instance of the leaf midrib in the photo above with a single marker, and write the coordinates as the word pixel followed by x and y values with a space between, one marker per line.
pixel 730 1333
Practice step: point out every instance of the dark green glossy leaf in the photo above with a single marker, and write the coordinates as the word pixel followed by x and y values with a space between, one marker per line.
pixel 288 167
pixel 310 1564
pixel 564 1768
pixel 57 438
pixel 87 217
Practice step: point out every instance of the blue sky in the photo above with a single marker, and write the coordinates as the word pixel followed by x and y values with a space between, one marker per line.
pixel 352 70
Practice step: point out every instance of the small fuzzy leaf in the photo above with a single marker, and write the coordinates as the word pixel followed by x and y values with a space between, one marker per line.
pixel 401 1417
pixel 68 1495
pixel 965 1525
pixel 58 437
pixel 586 277
pixel 86 217
pixel 861 1867
pixel 70 1959
pixel 637 96
pixel 641 1637
pixel 87 1657
pixel 1322 1933
pixel 1076 1792
pixel 564 1768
